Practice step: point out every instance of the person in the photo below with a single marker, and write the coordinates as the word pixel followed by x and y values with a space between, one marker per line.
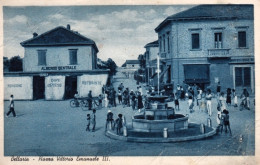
pixel 140 90
pixel 228 97
pixel 176 101
pixel 218 88
pixel 106 100
pixel 219 122
pixel 182 93
pixel 88 122
pixel 110 119
pixel 245 99
pixel 119 95
pixel 100 98
pixel 199 97
pixel 202 105
pixel 90 100
pixel 76 98
pixel 226 121
pixel 139 102
pixel 234 97
pixel 11 106
pixel 196 92
pixel 133 100
pixel 114 97
pixel 190 103
pixel 208 98
pixel 222 101
pixel 119 124
pixel 93 119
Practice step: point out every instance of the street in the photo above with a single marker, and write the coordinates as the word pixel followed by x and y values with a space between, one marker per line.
pixel 53 128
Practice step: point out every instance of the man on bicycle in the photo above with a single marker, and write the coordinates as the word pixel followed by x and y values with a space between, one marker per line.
pixel 76 98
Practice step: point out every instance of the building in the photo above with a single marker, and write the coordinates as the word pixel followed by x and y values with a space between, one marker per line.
pixel 208 44
pixel 151 53
pixel 56 64
pixel 132 64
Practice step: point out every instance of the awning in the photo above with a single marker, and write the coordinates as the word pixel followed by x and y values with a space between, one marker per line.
pixel 196 73
pixel 155 76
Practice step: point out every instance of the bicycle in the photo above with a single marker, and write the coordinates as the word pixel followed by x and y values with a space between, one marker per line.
pixel 73 103
pixel 84 104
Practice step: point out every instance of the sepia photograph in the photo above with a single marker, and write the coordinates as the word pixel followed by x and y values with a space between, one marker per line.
pixel 91 82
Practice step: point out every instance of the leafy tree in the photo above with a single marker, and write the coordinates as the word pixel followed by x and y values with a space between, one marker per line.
pixel 16 64
pixel 6 63
pixel 141 59
pixel 109 64
pixel 124 65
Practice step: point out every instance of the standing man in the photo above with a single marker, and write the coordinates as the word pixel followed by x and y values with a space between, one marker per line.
pixel 11 107
pixel 218 89
pixel 93 120
pixel 90 100
pixel 208 98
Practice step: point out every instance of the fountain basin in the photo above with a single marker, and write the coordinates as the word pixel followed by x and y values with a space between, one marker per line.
pixel 178 122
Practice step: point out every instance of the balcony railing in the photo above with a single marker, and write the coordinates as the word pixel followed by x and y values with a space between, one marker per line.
pixel 218 53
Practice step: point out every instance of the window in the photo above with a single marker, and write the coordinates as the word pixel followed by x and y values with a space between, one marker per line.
pixel 160 43
pixel 73 56
pixel 195 44
pixel 168 41
pixel 218 40
pixel 42 57
pixel 163 43
pixel 241 39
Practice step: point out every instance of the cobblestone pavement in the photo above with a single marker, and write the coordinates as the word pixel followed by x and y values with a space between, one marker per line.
pixel 51 128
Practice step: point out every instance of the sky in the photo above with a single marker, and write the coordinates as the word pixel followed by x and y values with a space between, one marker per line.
pixel 120 32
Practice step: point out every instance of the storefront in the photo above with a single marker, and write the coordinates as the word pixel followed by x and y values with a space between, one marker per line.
pixel 53 85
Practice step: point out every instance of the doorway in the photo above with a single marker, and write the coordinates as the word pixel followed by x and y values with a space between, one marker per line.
pixel 243 78
pixel 38 87
pixel 70 87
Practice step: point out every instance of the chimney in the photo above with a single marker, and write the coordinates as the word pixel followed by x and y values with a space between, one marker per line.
pixel 68 26
pixel 35 34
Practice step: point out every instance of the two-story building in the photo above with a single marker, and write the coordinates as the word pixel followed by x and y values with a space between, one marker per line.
pixel 208 44
pixel 151 53
pixel 56 64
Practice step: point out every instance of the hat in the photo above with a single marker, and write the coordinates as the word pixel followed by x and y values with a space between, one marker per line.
pixel 109 110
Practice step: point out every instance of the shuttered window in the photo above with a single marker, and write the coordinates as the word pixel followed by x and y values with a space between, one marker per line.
pixel 195 38
pixel 41 57
pixel 73 56
pixel 242 39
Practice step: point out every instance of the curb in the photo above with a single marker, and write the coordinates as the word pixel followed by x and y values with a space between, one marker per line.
pixel 160 140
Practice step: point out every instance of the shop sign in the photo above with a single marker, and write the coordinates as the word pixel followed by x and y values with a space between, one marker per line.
pixel 71 67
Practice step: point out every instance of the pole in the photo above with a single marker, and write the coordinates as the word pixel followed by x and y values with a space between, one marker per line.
pixel 158 72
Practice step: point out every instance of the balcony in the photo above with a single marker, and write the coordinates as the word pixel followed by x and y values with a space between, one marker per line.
pixel 218 53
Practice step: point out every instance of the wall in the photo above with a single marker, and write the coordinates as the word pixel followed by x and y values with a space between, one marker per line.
pixel 20 87
pixel 91 82
pixel 54 87
pixel 58 56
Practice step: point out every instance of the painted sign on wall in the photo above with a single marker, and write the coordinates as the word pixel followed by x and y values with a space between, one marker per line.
pixel 91 82
pixel 20 87
pixel 54 87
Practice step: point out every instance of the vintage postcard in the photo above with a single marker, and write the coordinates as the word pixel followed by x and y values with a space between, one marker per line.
pixel 146 83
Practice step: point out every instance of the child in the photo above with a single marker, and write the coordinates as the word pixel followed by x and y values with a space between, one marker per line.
pixel 88 122
pixel 234 97
pixel 100 98
pixel 219 120
pixel 190 102
pixel 119 124
pixel 176 102
pixel 202 106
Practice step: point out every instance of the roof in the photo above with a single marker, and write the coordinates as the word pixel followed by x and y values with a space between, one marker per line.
pixel 152 44
pixel 212 12
pixel 132 62
pixel 59 36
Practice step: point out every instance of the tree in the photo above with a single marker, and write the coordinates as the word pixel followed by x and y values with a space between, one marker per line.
pixel 124 65
pixel 141 59
pixel 109 64
pixel 6 64
pixel 16 64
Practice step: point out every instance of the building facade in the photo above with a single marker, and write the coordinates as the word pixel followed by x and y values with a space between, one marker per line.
pixel 151 53
pixel 208 44
pixel 56 64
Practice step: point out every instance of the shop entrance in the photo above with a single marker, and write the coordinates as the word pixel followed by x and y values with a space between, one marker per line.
pixel 70 86
pixel 38 87
pixel 243 78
